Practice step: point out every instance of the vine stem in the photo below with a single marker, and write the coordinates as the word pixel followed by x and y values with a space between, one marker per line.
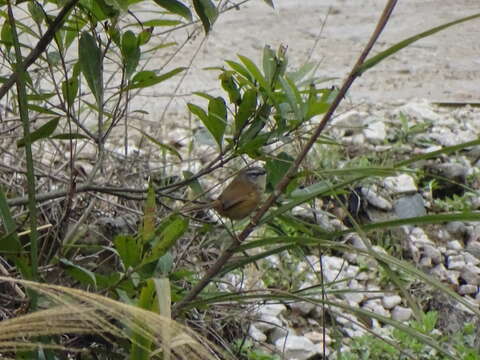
pixel 227 254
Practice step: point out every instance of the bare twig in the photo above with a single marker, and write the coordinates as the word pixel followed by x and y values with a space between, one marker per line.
pixel 40 48
pixel 215 269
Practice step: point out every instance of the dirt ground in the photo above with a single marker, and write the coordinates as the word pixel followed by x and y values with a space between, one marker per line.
pixel 444 67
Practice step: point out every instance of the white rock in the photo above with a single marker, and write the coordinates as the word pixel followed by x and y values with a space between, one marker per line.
pixel 375 305
pixel 432 252
pixel 355 294
pixel 353 333
pixel 352 120
pixel 440 272
pixel 296 347
pixel 256 334
pixel 401 313
pixel 390 301
pixel 267 323
pixel 269 317
pixel 376 200
pixel 303 307
pixel 375 132
pixel 471 275
pixel 317 337
pixel 400 184
pixel 356 241
pixel 456 262
pixel 452 276
pixel 419 110
pixel 278 333
pixel 454 245
pixel 467 289
pixel 470 259
pixel 418 235
pixel 272 309
pixel 425 262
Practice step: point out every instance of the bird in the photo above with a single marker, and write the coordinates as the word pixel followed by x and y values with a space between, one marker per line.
pixel 241 196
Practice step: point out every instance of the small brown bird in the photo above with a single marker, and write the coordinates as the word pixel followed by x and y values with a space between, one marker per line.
pixel 242 196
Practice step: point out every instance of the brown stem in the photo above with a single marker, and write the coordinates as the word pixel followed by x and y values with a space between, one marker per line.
pixel 227 254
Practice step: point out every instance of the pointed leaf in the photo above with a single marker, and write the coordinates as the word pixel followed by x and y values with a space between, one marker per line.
pixel 79 273
pixel 176 7
pixel 246 110
pixel 70 90
pixel 130 52
pixel 129 249
pixel 213 125
pixel 42 132
pixel 149 211
pixel 10 243
pixel 217 114
pixel 90 58
pixel 176 227
pixel 207 12
pixel 148 79
pixel 255 72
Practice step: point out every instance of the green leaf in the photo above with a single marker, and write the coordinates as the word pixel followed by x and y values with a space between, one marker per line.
pixel 6 34
pixel 130 52
pixel 175 7
pixel 145 36
pixel 42 132
pixel 276 168
pixel 149 212
pixel 213 127
pixel 79 273
pixel 10 243
pixel 160 22
pixel 40 96
pixel 293 97
pixel 148 78
pixel 229 85
pixel 246 110
pixel 90 58
pixel 141 345
pixel 35 11
pixel 217 114
pixel 194 184
pixel 252 146
pixel 174 229
pixel 129 249
pixel 70 90
pixel 42 110
pixel 207 12
pixel 255 72
pixel 241 70
pixel 269 64
pixel 402 44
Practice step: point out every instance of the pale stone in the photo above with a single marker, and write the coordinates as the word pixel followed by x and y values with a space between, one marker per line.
pixel 296 347
pixel 467 289
pixel 400 184
pixel 256 334
pixel 390 301
pixel 401 313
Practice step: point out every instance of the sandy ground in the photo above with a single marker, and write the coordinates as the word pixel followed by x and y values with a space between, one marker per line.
pixel 444 67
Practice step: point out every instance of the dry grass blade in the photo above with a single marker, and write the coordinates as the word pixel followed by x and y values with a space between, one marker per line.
pixel 79 312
